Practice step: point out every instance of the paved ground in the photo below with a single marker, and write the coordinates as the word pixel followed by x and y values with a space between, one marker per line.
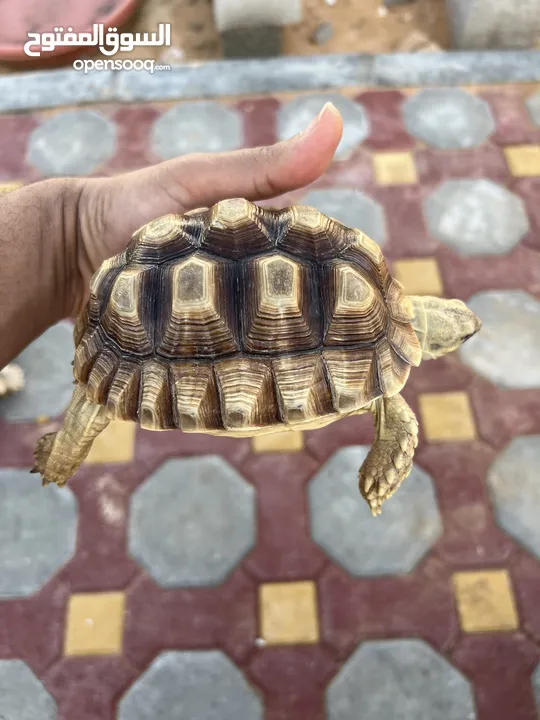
pixel 190 578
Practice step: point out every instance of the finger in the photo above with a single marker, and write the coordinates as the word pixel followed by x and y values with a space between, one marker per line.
pixel 255 173
pixel 117 206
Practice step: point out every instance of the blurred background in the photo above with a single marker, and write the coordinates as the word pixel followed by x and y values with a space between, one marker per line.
pixel 197 578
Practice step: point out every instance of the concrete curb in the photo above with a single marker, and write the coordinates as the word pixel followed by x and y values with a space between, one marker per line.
pixel 57 88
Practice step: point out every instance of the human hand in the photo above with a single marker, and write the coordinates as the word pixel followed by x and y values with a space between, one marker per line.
pixel 111 209
pixel 55 234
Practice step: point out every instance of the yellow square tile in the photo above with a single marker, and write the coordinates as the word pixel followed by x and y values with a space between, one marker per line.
pixel 446 416
pixel 288 613
pixel 395 168
pixel 485 601
pixel 7 187
pixel 523 160
pixel 419 276
pixel 95 624
pixel 291 441
pixel 115 444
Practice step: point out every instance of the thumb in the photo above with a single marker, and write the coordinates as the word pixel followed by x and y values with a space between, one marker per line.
pixel 115 207
pixel 255 174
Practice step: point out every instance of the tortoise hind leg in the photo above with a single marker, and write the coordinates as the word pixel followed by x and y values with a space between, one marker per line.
pixel 58 455
pixel 390 459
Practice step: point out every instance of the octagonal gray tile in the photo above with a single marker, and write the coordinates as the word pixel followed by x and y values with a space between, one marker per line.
pixel 342 524
pixel 200 685
pixel 48 377
pixel 38 528
pixel 399 679
pixel 507 349
pixel 295 115
pixel 205 126
pixel 515 490
pixel 476 217
pixel 448 118
pixel 536 687
pixel 192 521
pixel 75 142
pixel 22 696
pixel 352 208
pixel 533 106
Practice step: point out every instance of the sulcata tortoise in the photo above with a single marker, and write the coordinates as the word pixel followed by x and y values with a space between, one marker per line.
pixel 238 320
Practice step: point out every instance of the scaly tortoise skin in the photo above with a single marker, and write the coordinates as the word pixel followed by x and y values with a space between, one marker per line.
pixel 238 320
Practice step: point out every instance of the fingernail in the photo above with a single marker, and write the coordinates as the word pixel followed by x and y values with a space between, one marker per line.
pixel 328 107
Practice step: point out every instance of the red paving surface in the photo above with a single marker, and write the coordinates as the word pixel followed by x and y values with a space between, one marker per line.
pixel 422 604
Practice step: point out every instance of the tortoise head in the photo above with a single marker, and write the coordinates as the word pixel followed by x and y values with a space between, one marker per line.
pixel 442 325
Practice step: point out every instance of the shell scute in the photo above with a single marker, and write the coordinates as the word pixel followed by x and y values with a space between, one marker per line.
pixel 196 399
pixel 310 234
pixel 353 377
pixel 155 403
pixel 279 310
pixel 235 318
pixel 123 395
pixel 164 238
pixel 248 397
pixel 196 315
pixel 236 228
pixel 303 390
pixel 355 308
pixel 128 316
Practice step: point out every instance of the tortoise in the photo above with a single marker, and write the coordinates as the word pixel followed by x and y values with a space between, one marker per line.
pixel 240 320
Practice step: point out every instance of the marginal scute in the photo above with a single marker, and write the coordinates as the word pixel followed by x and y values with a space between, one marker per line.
pixel 353 377
pixel 247 393
pixel 313 236
pixel 161 239
pixel 196 398
pixel 101 376
pixel 86 353
pixel 303 391
pixel 393 370
pixel 399 306
pixel 197 315
pixel 100 285
pixel 123 397
pixel 128 316
pixel 355 310
pixel 155 402
pixel 235 229
pixel 280 307
pixel 81 326
pixel 364 243
pixel 364 252
pixel 196 212
pixel 404 342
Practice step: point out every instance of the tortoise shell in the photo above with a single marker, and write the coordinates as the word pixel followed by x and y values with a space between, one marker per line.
pixel 238 319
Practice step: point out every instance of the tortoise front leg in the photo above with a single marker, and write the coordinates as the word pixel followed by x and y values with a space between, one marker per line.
pixel 58 455
pixel 390 459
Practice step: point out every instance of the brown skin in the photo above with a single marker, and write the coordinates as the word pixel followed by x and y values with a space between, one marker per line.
pixel 56 233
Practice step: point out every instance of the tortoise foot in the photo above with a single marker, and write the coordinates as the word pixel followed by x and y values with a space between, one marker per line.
pixel 390 459
pixel 379 478
pixel 42 454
